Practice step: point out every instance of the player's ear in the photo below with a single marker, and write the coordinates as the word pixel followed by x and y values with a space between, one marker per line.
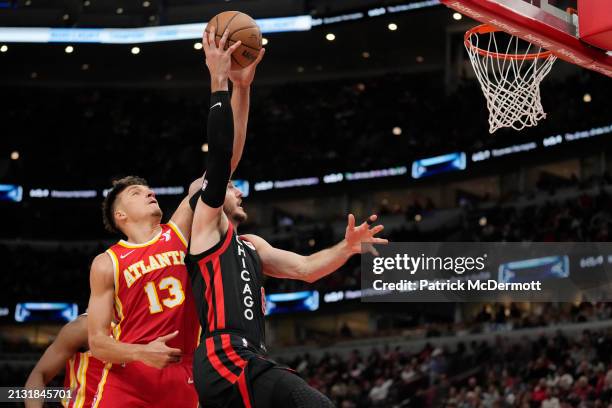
pixel 120 215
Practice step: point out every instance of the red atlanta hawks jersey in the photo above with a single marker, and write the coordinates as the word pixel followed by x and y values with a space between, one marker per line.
pixel 153 291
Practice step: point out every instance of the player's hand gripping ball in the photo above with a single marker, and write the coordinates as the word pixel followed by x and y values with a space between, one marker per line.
pixel 241 27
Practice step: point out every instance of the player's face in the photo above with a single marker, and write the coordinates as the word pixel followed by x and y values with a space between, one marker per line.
pixel 232 205
pixel 137 203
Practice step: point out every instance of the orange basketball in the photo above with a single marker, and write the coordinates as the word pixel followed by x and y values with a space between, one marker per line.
pixel 241 28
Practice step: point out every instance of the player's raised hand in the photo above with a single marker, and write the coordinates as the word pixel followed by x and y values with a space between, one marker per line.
pixel 218 59
pixel 244 77
pixel 363 234
pixel 157 354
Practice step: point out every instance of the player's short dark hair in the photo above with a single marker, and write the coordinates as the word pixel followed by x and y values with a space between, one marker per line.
pixel 108 205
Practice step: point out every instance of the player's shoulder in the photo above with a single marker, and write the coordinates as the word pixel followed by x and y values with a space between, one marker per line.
pixel 255 242
pixel 172 228
pixel 102 259
pixel 102 264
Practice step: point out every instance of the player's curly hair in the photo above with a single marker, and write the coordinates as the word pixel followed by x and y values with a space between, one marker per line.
pixel 108 205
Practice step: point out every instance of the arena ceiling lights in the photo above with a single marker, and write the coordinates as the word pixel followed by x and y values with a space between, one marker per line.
pixel 186 31
pixel 138 35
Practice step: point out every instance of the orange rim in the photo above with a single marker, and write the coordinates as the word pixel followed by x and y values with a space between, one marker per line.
pixel 485 29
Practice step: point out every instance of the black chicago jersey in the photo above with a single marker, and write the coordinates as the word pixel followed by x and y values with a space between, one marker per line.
pixel 230 362
pixel 227 282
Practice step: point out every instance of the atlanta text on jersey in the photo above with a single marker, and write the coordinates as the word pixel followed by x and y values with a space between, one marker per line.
pixel 157 261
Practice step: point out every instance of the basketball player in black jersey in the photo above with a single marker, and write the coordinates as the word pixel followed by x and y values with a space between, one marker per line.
pixel 227 273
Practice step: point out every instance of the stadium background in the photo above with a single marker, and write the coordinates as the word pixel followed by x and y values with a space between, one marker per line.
pixel 335 127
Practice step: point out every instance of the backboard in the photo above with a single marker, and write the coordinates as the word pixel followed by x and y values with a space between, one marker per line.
pixel 550 25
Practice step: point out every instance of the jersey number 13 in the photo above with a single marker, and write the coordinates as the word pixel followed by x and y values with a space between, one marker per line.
pixel 175 291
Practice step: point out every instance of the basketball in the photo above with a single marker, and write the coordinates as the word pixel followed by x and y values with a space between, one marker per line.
pixel 241 28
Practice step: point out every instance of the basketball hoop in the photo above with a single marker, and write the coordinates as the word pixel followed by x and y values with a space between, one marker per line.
pixel 510 80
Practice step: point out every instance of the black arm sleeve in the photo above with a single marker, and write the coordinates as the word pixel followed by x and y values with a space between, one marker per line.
pixel 220 145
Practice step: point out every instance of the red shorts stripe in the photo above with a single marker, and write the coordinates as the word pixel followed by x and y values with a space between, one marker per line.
pixel 231 353
pixel 244 391
pixel 219 298
pixel 216 363
pixel 208 295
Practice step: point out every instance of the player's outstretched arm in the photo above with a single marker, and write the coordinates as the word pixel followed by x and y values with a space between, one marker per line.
pixel 100 314
pixel 219 73
pixel 240 102
pixel 284 264
pixel 241 94
pixel 71 338
pixel 209 221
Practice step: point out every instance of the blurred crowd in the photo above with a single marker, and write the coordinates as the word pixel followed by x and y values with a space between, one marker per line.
pixel 586 218
pixel 546 372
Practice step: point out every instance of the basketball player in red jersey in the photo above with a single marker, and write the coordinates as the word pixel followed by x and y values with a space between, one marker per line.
pixel 83 371
pixel 143 282
pixel 227 273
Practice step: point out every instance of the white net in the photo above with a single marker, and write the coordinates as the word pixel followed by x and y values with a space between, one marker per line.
pixel 509 73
